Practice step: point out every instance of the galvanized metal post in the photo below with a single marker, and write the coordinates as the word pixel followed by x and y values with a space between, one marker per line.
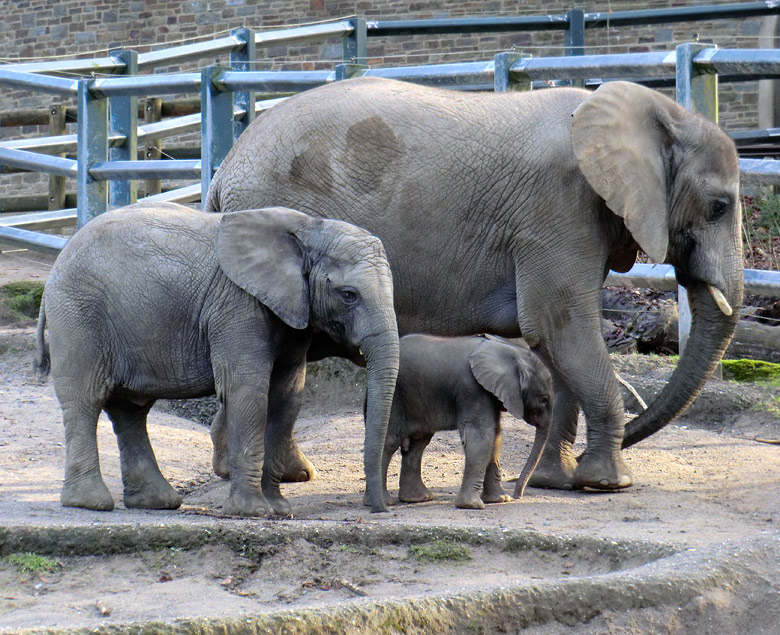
pixel 348 70
pixel 698 92
pixel 503 79
pixel 244 60
pixel 574 38
pixel 216 126
pixel 355 45
pixel 92 137
pixel 124 121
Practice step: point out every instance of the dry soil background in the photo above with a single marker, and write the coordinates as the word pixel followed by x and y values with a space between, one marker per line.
pixel 703 486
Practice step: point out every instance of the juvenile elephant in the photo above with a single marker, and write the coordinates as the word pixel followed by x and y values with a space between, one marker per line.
pixel 464 384
pixel 152 302
pixel 503 213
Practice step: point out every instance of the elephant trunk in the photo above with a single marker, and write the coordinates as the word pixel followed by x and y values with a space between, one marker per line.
pixel 381 355
pixel 711 332
pixel 540 439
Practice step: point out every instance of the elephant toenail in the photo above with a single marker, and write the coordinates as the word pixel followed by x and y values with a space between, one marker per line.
pixel 624 481
pixel 604 482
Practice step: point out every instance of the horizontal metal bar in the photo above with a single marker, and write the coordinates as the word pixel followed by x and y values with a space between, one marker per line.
pixel 37 162
pixel 644 275
pixel 160 129
pixel 650 276
pixel 273 81
pixel 759 171
pixel 681 14
pixel 743 63
pixel 40 220
pixel 767 134
pixel 439 74
pixel 659 64
pixel 307 33
pixel 176 54
pixel 80 66
pixel 40 83
pixel 156 169
pixel 381 28
pixel 186 194
pixel 55 145
pixel 32 240
pixel 146 85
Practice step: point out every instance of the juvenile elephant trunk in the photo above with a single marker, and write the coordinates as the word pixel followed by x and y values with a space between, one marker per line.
pixel 381 354
pixel 540 439
pixel 711 332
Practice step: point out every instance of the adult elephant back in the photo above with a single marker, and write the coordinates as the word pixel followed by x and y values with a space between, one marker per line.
pixel 503 213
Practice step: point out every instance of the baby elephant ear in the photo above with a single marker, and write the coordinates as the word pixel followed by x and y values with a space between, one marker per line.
pixel 258 250
pixel 498 369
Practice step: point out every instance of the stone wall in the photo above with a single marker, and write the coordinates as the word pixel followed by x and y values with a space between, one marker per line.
pixel 42 30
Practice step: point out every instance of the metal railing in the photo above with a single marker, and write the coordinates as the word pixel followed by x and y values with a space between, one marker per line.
pixel 108 132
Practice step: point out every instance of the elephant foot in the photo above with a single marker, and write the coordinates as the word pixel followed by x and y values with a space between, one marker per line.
pixel 87 494
pixel 496 497
pixel 298 468
pixel 469 500
pixel 159 497
pixel 555 470
pixel 597 470
pixel 415 494
pixel 220 464
pixel 388 499
pixel 280 505
pixel 242 504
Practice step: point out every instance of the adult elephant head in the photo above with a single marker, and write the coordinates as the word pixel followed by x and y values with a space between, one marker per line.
pixel 674 179
pixel 503 213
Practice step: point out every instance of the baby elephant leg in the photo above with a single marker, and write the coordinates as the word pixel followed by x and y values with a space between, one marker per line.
pixel 411 488
pixel 144 485
pixel 478 448
pixel 492 490
pixel 219 441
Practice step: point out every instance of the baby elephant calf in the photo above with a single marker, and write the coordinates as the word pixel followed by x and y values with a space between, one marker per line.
pixel 465 383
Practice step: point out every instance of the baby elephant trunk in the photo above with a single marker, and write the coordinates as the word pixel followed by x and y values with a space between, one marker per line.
pixel 533 459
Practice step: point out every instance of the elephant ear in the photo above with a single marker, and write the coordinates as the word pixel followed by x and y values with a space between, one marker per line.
pixel 259 251
pixel 621 135
pixel 498 369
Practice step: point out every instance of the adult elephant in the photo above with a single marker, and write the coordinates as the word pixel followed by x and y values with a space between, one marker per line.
pixel 503 213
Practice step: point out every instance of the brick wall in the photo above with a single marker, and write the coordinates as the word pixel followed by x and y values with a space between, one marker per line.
pixel 41 29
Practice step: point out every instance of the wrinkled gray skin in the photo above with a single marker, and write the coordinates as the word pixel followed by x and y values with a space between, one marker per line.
pixel 151 302
pixel 464 384
pixel 502 213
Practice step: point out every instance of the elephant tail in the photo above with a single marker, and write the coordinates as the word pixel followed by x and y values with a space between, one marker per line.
pixel 42 363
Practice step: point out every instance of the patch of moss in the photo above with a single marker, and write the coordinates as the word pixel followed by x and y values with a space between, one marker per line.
pixel 32 563
pixel 20 301
pixel 751 370
pixel 440 551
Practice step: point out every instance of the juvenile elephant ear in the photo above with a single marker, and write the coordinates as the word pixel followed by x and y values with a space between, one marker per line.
pixel 620 136
pixel 259 251
pixel 498 369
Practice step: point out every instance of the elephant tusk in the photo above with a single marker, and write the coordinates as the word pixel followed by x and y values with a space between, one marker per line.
pixel 720 300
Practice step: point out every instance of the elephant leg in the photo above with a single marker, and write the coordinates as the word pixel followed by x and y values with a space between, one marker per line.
pixel 219 441
pixel 83 485
pixel 492 490
pixel 583 362
pixel 245 407
pixel 557 464
pixel 411 488
pixel 478 448
pixel 284 403
pixel 144 485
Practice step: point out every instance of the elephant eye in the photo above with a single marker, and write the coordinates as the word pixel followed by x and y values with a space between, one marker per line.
pixel 348 296
pixel 719 207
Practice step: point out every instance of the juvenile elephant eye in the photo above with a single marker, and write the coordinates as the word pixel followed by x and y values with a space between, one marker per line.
pixel 348 296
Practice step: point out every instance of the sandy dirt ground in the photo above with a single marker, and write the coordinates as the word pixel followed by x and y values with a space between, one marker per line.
pixel 700 483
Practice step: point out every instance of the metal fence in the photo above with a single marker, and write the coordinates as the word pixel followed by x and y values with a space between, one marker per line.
pixel 108 133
